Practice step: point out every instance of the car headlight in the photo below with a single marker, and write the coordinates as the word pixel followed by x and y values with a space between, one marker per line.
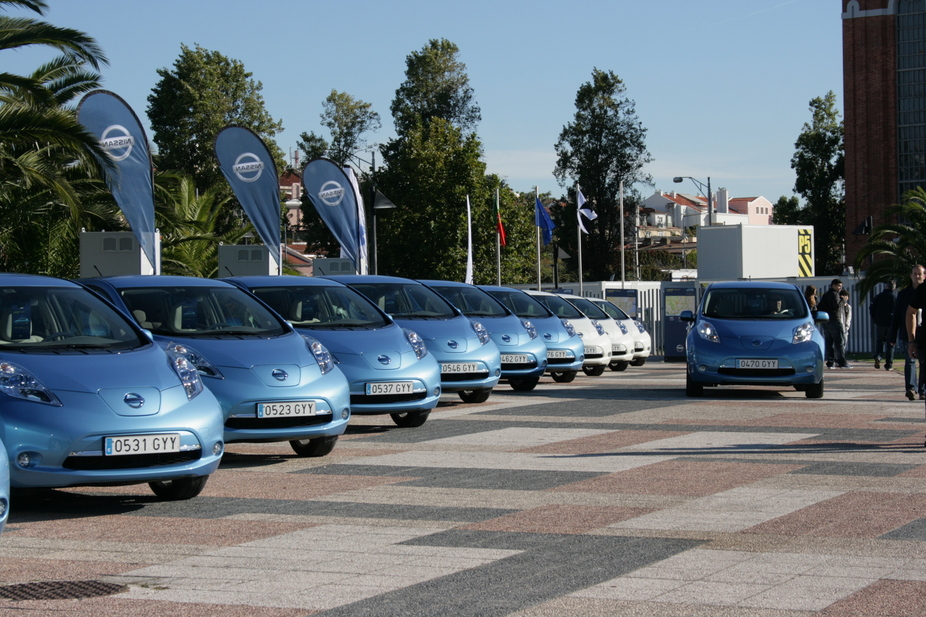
pixel 417 343
pixel 802 333
pixel 481 332
pixel 531 329
pixel 708 332
pixel 186 370
pixel 623 328
pixel 20 383
pixel 321 354
pixel 598 327
pixel 570 329
pixel 196 359
pixel 640 325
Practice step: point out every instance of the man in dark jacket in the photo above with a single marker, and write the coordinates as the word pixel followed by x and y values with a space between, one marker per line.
pixel 881 310
pixel 915 383
pixel 834 333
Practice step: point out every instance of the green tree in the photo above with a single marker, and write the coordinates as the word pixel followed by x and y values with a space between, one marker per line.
pixel 893 248
pixel 601 148
pixel 819 163
pixel 191 103
pixel 348 120
pixel 788 211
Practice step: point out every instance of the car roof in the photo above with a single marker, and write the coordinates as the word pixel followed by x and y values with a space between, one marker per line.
pixel 436 282
pixel 34 280
pixel 159 280
pixel 348 279
pixel 751 285
pixel 285 280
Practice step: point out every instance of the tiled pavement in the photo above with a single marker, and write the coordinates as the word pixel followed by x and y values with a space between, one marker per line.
pixel 613 495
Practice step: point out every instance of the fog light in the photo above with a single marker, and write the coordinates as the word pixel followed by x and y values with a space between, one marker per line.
pixel 345 413
pixel 217 448
pixel 809 368
pixel 437 391
pixel 3 506
pixel 702 368
pixel 27 460
pixel 498 372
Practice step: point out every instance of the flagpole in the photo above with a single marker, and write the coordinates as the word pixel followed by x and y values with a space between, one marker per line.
pixel 539 283
pixel 498 243
pixel 623 242
pixel 579 234
pixel 468 277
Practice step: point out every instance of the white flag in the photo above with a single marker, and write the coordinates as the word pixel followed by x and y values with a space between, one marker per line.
pixel 586 212
pixel 469 244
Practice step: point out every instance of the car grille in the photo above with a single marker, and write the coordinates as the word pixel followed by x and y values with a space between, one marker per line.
pixel 463 376
pixel 756 372
pixel 592 356
pixel 638 347
pixel 561 360
pixel 519 366
pixel 88 463
pixel 363 399
pixel 276 423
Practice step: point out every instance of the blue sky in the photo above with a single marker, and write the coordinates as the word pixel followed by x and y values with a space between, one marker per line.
pixel 722 86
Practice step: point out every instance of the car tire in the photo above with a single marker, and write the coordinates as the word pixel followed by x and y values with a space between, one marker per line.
pixel 593 371
pixel 638 362
pixel 814 390
pixel 693 389
pixel 619 366
pixel 525 384
pixel 411 419
pixel 319 446
pixel 564 376
pixel 179 489
pixel 480 395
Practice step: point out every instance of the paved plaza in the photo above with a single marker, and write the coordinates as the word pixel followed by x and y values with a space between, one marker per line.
pixel 612 495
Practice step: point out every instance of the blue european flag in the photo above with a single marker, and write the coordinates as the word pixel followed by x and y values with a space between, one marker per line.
pixel 543 221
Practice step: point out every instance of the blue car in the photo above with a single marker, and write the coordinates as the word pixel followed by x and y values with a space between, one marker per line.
pixel 523 353
pixel 565 349
pixel 470 362
pixel 89 399
pixel 757 334
pixel 388 366
pixel 4 486
pixel 273 383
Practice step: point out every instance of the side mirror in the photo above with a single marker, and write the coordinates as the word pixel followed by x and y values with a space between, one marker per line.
pixel 820 316
pixel 686 316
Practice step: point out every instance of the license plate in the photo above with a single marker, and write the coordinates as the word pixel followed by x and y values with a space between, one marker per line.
pixel 287 409
pixel 592 350
pixel 514 358
pixel 391 387
pixel 459 367
pixel 556 354
pixel 756 363
pixel 141 444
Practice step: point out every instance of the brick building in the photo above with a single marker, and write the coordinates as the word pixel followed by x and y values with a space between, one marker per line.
pixel 884 75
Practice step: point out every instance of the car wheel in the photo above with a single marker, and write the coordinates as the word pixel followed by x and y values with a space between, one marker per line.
pixel 524 385
pixel 320 446
pixel 564 376
pixel 480 395
pixel 593 371
pixel 814 390
pixel 619 366
pixel 638 362
pixel 181 488
pixel 411 419
pixel 691 388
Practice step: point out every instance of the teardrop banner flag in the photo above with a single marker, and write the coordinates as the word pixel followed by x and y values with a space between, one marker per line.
pixel 363 266
pixel 332 194
pixel 110 119
pixel 248 166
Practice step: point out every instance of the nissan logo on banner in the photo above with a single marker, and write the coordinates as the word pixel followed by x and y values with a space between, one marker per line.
pixel 331 193
pixel 248 167
pixel 117 138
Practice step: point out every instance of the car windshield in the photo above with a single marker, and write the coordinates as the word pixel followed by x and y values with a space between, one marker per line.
pixel 754 303
pixel 612 310
pixel 471 301
pixel 200 311
pixel 560 307
pixel 591 310
pixel 54 319
pixel 407 300
pixel 322 307
pixel 521 304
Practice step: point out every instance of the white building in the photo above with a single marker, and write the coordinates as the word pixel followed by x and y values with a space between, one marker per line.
pixel 683 210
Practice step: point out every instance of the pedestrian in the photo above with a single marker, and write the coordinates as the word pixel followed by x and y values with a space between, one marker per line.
pixel 810 294
pixel 881 310
pixel 914 381
pixel 834 333
pixel 846 312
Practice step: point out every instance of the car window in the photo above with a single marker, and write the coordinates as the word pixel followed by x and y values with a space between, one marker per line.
pixel 560 307
pixel 407 300
pixel 591 310
pixel 322 307
pixel 521 304
pixel 205 311
pixel 612 310
pixel 754 303
pixel 51 318
pixel 471 301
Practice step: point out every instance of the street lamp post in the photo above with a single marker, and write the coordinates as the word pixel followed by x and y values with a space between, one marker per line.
pixel 710 198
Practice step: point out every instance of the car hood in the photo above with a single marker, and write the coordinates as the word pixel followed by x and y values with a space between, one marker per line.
pixel 367 345
pixel 755 334
pixel 247 352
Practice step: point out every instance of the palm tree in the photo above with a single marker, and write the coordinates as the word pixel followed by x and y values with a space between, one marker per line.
pixel 894 248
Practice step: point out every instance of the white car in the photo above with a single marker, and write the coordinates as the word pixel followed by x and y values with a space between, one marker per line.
pixel 642 341
pixel 596 340
pixel 618 332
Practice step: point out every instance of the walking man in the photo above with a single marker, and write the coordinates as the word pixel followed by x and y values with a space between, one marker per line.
pixel 915 381
pixel 881 310
pixel 834 332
